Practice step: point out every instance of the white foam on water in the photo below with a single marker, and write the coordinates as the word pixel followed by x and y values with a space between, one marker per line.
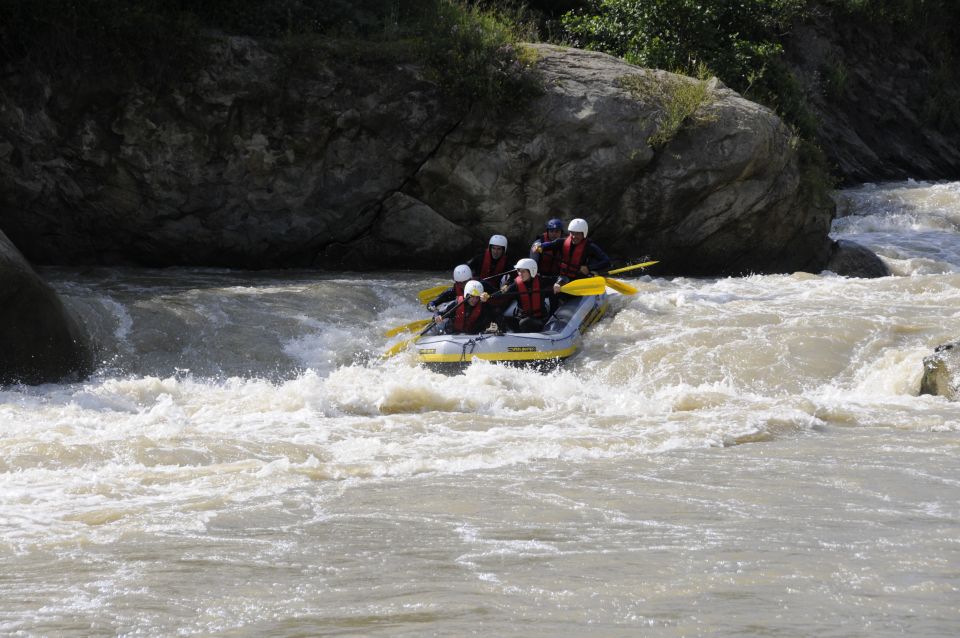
pixel 236 393
pixel 912 225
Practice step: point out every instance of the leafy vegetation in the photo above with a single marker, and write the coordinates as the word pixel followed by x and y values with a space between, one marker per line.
pixel 734 39
pixel 476 56
pixel 684 102
pixel 741 41
pixel 472 48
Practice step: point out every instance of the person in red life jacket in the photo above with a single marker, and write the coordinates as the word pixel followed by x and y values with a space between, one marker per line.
pixel 579 256
pixel 469 314
pixel 461 275
pixel 548 262
pixel 534 295
pixel 492 261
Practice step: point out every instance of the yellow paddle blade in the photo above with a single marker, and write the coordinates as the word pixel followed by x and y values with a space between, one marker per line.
pixel 620 286
pixel 413 326
pixel 633 267
pixel 397 348
pixel 428 295
pixel 584 287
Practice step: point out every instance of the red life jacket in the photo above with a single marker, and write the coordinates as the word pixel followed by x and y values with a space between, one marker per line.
pixel 572 257
pixel 488 268
pixel 464 322
pixel 458 288
pixel 549 264
pixel 530 300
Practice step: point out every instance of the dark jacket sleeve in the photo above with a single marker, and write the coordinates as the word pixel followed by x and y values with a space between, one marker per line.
pixel 444 297
pixel 546 283
pixel 554 246
pixel 597 259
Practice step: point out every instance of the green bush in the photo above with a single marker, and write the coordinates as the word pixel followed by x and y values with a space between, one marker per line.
pixel 733 39
pixel 683 102
pixel 475 55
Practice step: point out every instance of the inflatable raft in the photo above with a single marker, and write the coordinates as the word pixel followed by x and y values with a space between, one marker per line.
pixel 560 338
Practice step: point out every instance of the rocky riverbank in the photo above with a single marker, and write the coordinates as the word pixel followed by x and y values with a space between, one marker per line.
pixel 341 163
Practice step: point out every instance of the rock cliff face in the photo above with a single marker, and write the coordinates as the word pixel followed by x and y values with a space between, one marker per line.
pixel 878 100
pixel 339 163
pixel 40 340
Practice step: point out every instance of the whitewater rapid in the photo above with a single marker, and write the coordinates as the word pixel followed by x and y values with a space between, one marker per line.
pixel 239 423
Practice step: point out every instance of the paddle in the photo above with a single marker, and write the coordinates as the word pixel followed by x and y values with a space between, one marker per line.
pixel 399 347
pixel 428 295
pixel 584 287
pixel 577 287
pixel 413 326
pixel 617 271
pixel 620 286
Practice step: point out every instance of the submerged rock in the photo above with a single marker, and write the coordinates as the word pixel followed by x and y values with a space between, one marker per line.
pixel 40 341
pixel 941 372
pixel 345 163
pixel 850 259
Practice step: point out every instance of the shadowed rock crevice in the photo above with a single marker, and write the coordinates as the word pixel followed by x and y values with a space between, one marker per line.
pixel 875 94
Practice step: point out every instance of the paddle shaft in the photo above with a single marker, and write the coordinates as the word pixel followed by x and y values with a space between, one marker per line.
pixel 430 294
pixel 616 271
pixel 402 345
pixel 445 314
pixel 506 272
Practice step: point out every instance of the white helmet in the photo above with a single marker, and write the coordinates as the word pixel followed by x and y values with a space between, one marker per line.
pixel 578 226
pixel 473 289
pixel 527 264
pixel 498 240
pixel 462 273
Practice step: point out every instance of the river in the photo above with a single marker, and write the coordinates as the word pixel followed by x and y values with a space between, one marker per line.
pixel 726 457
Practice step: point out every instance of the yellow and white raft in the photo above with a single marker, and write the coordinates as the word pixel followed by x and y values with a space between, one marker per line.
pixel 560 338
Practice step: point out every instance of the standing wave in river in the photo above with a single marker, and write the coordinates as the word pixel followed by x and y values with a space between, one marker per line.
pixel 737 455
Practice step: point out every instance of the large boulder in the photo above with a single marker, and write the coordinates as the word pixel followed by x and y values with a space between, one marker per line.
pixel 40 341
pixel 255 162
pixel 941 372
pixel 723 195
pixel 338 162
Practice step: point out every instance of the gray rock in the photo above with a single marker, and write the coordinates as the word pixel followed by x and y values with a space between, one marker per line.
pixel 722 196
pixel 342 163
pixel 40 341
pixel 874 95
pixel 941 372
pixel 850 259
